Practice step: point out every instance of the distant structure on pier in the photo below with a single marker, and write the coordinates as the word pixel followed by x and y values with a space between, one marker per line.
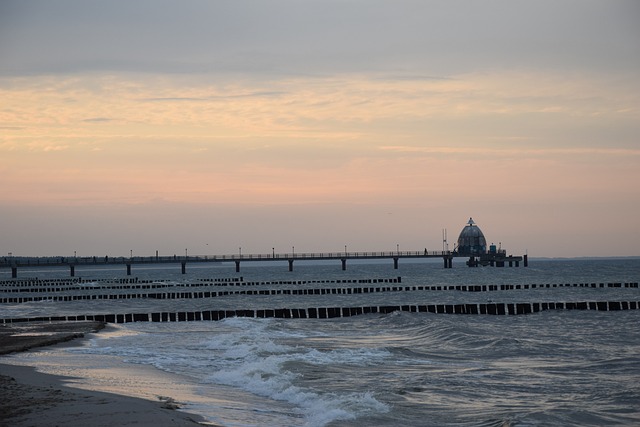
pixel 471 240
pixel 473 244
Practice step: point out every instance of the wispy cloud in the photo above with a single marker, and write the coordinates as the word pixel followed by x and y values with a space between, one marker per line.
pixel 98 120
pixel 262 94
pixel 511 151
pixel 173 99
pixel 48 147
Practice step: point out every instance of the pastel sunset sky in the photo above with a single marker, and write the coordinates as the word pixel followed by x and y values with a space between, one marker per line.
pixel 215 125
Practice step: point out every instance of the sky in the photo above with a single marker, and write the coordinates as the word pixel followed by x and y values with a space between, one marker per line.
pixel 218 126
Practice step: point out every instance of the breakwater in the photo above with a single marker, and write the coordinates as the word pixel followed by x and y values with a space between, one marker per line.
pixel 335 312
pixel 80 286
pixel 167 299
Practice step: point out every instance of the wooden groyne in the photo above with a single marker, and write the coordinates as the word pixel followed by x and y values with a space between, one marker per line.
pixel 495 309
pixel 231 289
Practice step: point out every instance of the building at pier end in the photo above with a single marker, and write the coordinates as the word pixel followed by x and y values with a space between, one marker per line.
pixel 471 240
pixel 473 244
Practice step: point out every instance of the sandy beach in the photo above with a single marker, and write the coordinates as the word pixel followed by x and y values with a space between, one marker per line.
pixel 30 398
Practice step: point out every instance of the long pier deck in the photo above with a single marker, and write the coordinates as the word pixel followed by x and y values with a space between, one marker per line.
pixel 498 260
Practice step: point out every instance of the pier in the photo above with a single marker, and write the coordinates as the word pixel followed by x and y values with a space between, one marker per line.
pixel 471 244
pixel 500 259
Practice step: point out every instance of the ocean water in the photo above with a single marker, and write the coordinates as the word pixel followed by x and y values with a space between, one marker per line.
pixel 559 367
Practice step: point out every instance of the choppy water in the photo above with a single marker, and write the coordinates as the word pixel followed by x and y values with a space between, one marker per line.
pixel 571 368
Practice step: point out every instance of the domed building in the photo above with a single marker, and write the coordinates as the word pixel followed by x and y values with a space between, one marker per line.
pixel 471 240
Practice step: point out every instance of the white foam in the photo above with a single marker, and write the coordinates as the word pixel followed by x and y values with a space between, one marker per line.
pixel 251 358
pixel 253 355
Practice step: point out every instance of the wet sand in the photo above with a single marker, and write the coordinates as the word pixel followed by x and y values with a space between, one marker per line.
pixel 30 398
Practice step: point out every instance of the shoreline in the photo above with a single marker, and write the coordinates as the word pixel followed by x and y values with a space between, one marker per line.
pixel 31 398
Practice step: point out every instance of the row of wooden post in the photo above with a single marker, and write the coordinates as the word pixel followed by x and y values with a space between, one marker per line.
pixel 334 312
pixel 298 291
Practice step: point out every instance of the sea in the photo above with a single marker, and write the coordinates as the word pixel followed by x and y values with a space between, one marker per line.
pixel 548 368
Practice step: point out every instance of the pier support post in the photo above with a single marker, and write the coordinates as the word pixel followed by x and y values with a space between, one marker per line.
pixel 237 266
pixel 184 267
pixel 395 263
pixel 526 260
pixel 14 272
pixel 344 264
pixel 290 265
pixel 129 269
pixel 72 270
pixel 450 262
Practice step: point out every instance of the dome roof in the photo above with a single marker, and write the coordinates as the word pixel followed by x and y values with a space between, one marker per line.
pixel 471 240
